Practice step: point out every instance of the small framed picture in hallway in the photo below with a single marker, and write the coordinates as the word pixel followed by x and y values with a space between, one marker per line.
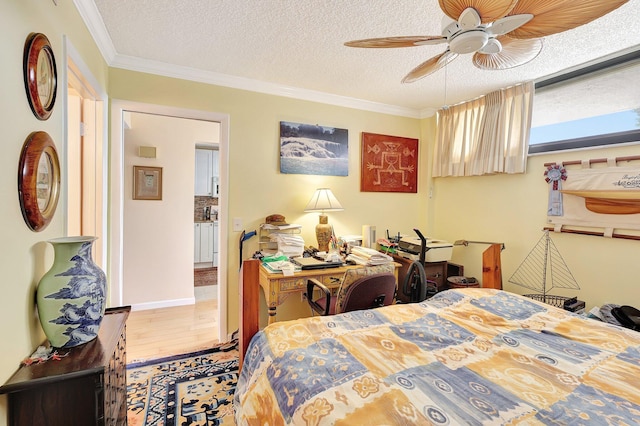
pixel 147 183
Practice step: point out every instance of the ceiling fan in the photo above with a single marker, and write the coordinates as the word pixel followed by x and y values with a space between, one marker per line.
pixel 501 34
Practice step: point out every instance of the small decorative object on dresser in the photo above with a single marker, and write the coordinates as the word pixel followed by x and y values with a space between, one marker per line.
pixel 71 296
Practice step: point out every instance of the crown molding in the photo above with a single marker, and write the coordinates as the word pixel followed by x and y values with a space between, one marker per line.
pixel 94 23
pixel 218 79
pixel 93 20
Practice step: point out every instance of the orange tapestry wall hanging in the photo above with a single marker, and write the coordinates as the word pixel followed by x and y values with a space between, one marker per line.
pixel 389 164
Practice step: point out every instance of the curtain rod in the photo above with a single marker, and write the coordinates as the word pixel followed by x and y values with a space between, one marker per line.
pixel 595 160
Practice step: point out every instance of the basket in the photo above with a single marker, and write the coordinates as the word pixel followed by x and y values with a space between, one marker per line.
pixel 549 299
pixel 462 282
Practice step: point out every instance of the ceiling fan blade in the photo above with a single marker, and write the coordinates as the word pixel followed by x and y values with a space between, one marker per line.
pixel 508 24
pixel 403 41
pixel 515 52
pixel 430 66
pixel 555 16
pixel 489 10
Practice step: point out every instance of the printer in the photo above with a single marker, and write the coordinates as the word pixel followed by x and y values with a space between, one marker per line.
pixel 435 250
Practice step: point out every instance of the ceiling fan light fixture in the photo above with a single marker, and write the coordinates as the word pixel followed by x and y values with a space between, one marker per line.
pixel 468 42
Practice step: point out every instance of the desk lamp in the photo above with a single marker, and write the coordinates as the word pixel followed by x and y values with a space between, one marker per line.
pixel 323 201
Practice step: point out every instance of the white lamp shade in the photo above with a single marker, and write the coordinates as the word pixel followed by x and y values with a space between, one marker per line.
pixel 323 200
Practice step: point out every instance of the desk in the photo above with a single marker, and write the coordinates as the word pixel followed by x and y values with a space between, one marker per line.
pixel 277 288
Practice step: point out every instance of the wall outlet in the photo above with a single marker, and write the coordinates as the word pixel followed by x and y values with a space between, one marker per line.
pixel 237 224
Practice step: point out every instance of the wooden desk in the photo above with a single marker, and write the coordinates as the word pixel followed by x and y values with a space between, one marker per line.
pixel 277 287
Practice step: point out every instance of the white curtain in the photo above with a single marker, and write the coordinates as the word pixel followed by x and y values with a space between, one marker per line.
pixel 487 135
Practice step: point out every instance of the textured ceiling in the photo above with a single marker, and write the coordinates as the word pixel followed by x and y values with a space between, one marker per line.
pixel 297 47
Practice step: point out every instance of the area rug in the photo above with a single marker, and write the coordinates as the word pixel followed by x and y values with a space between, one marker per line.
pixel 190 389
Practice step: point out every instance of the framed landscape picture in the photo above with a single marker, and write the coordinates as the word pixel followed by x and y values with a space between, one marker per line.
pixel 389 164
pixel 311 149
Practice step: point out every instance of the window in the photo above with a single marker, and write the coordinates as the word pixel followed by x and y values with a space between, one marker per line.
pixel 593 106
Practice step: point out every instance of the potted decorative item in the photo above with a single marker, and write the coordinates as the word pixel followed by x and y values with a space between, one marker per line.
pixel 71 296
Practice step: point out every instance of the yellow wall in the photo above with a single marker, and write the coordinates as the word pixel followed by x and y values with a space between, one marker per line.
pixel 512 210
pixel 256 186
pixel 24 255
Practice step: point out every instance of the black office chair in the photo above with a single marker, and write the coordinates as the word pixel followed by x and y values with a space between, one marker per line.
pixel 361 288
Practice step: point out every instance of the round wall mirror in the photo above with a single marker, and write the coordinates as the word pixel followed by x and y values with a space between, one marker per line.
pixel 40 75
pixel 38 180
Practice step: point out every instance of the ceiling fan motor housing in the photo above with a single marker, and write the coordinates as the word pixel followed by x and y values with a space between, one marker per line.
pixel 468 41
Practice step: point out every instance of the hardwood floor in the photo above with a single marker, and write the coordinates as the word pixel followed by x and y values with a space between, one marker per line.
pixel 156 333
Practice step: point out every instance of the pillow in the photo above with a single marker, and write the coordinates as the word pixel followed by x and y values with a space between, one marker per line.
pixel 354 274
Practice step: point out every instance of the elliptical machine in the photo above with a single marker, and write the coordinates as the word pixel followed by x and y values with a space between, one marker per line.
pixel 416 286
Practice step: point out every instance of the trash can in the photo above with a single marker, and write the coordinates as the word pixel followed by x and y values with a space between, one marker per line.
pixel 463 282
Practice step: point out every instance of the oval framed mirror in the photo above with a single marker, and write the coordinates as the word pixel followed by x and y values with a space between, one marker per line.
pixel 38 180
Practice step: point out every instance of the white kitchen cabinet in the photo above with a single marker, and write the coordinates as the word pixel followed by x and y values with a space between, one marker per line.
pixel 204 172
pixel 215 244
pixel 203 242
pixel 207 172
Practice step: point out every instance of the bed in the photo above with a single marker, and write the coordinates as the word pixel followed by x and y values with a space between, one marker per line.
pixel 469 356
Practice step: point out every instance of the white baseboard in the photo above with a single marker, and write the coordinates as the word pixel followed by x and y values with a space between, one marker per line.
pixel 163 304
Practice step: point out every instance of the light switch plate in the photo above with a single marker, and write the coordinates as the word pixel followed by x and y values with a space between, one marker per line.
pixel 237 224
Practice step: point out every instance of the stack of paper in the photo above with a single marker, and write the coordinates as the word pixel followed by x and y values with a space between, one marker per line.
pixel 281 266
pixel 289 245
pixel 368 256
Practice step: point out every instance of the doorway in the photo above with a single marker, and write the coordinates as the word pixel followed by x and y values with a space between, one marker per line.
pixel 85 155
pixel 152 241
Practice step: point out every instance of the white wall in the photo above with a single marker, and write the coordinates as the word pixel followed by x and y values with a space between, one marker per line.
pixel 158 235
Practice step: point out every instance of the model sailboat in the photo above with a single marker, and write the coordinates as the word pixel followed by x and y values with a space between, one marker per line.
pixel 542 270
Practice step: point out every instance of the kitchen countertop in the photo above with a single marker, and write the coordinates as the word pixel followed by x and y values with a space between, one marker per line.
pixel 205 221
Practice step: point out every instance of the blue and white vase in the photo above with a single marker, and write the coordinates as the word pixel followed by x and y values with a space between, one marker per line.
pixel 71 296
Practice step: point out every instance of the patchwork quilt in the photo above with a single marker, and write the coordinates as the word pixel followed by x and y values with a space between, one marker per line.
pixel 468 356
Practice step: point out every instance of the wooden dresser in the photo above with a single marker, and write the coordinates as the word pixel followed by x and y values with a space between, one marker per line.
pixel 87 387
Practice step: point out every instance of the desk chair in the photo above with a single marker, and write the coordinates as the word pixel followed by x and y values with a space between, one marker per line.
pixel 361 288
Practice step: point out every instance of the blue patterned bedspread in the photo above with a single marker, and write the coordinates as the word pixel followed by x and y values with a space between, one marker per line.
pixel 472 357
